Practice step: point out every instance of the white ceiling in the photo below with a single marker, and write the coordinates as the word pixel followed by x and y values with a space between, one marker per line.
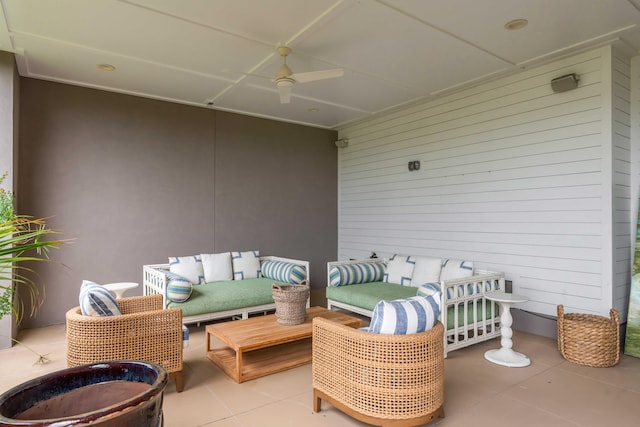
pixel 394 52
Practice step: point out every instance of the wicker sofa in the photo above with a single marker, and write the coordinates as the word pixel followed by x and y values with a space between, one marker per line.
pixel 220 299
pixel 467 316
pixel 380 379
pixel 144 331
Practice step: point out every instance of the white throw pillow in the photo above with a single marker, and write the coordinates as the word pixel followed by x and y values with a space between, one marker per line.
pixel 189 267
pixel 246 265
pixel 456 269
pixel 426 270
pixel 399 270
pixel 217 267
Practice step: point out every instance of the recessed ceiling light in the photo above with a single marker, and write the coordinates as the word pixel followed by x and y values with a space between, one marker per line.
pixel 106 67
pixel 516 24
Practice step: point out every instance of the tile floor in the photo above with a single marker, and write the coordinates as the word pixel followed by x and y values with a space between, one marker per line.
pixel 551 392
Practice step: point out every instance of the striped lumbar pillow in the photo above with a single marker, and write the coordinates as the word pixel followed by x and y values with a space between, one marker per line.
pixel 431 290
pixel 361 272
pixel 405 316
pixel 96 300
pixel 178 287
pixel 283 271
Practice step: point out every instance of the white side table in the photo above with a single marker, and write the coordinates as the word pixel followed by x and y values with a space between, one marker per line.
pixel 505 356
pixel 120 288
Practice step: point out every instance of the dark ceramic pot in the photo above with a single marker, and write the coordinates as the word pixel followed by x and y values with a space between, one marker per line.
pixel 116 393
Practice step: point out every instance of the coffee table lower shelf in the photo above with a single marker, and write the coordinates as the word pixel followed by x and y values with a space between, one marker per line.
pixel 261 362
pixel 260 346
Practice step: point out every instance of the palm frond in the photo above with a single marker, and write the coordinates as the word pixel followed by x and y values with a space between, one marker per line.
pixel 22 239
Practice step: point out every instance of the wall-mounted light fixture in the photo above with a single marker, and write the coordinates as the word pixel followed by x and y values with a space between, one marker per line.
pixel 342 143
pixel 565 83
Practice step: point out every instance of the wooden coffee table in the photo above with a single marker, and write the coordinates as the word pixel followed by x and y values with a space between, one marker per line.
pixel 261 346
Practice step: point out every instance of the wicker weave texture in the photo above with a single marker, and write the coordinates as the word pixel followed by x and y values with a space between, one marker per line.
pixel 380 376
pixel 588 339
pixel 143 332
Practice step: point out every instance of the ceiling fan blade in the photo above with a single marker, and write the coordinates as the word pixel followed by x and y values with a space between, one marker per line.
pixel 285 93
pixel 317 75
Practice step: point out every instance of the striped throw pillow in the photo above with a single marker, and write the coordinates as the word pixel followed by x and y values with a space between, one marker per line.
pixel 283 271
pixel 405 316
pixel 178 288
pixel 432 290
pixel 361 272
pixel 96 300
pixel 185 336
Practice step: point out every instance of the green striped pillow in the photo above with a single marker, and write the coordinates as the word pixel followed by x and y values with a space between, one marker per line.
pixel 360 272
pixel 178 288
pixel 283 271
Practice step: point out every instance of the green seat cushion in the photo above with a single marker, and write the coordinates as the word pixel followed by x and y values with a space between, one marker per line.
pixel 226 295
pixel 367 295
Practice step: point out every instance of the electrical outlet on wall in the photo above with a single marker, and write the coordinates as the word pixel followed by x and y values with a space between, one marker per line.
pixel 414 165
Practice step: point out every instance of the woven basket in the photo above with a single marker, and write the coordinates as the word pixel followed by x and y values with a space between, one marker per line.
pixel 291 302
pixel 588 339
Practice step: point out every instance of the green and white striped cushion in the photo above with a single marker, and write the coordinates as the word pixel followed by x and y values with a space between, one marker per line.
pixel 178 288
pixel 283 271
pixel 361 272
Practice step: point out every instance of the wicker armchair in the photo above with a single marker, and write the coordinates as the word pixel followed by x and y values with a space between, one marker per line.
pixel 144 331
pixel 380 379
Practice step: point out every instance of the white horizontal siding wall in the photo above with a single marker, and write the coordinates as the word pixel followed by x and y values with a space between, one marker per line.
pixel 622 199
pixel 513 176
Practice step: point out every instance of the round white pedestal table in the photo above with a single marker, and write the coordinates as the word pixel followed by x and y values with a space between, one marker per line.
pixel 120 288
pixel 505 355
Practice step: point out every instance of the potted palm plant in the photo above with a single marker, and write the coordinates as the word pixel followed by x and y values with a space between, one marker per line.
pixel 22 239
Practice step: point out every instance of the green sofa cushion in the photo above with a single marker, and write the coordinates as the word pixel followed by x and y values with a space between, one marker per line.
pixel 226 295
pixel 367 295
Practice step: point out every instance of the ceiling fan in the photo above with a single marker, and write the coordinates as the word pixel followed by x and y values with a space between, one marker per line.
pixel 285 78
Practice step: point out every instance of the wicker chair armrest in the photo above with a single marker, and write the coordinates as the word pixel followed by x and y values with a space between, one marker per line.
pixel 137 304
pixel 394 376
pixel 154 336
